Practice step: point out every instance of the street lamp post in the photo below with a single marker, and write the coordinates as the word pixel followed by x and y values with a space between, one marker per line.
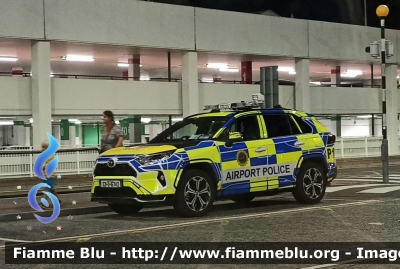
pixel 386 51
pixel 382 11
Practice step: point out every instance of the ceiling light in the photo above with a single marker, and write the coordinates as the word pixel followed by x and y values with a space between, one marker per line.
pixel 79 58
pixel 292 72
pixel 30 120
pixel 207 80
pixel 117 122
pixel 6 123
pixel 177 119
pixel 351 73
pixel 285 69
pixel 144 78
pixel 217 65
pixel 126 65
pixel 365 116
pixel 229 69
pixel 315 82
pixel 8 59
pixel 145 120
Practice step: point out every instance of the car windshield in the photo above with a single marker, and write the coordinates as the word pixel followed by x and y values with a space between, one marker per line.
pixel 202 128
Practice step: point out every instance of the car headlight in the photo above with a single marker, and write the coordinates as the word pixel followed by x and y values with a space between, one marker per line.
pixel 144 159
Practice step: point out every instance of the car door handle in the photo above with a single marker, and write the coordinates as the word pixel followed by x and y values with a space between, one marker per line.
pixel 261 149
pixel 299 144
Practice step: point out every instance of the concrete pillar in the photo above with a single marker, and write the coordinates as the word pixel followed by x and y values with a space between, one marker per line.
pixel 336 125
pixel 247 72
pixel 135 129
pixel 134 67
pixel 302 90
pixel 41 91
pixel 18 133
pixel 392 107
pixel 56 132
pixel 27 135
pixel 154 130
pixel 79 136
pixel 335 76
pixel 190 85
pixel 72 137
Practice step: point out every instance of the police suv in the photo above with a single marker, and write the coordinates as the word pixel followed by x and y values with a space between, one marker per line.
pixel 237 151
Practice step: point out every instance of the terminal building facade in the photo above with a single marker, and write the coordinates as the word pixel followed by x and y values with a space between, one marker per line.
pixel 65 62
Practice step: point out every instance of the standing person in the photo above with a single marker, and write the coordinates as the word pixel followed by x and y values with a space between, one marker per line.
pixel 50 179
pixel 112 136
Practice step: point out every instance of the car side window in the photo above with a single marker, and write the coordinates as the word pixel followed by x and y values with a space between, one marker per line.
pixel 305 128
pixel 280 125
pixel 248 126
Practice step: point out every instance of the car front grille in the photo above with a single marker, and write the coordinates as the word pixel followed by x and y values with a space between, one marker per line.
pixel 121 169
pixel 114 192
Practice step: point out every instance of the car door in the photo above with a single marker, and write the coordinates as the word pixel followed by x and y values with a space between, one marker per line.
pixel 285 146
pixel 241 163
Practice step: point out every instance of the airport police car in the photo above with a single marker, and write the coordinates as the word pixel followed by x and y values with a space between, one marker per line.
pixel 237 151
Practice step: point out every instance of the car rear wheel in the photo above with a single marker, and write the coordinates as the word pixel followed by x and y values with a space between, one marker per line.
pixel 195 194
pixel 126 209
pixel 311 184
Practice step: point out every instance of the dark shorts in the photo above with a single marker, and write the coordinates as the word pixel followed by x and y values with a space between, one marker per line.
pixel 50 182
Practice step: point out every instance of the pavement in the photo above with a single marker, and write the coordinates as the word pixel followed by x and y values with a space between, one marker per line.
pixel 19 187
pixel 357 207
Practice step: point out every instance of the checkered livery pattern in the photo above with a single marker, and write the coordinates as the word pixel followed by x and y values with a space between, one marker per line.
pixel 233 175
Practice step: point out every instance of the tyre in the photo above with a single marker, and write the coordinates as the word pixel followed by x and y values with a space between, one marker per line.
pixel 311 184
pixel 126 209
pixel 195 194
pixel 244 198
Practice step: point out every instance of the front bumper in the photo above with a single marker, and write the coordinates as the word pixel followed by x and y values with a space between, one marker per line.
pixel 128 193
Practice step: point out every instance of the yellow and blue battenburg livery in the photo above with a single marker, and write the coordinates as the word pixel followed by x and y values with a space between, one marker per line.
pixel 236 154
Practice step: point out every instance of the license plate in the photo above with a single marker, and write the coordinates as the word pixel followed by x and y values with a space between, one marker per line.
pixel 110 184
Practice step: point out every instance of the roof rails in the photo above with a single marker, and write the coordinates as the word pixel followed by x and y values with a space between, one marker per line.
pixel 241 106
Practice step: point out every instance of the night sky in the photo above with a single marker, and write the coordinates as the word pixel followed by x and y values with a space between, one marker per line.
pixel 340 11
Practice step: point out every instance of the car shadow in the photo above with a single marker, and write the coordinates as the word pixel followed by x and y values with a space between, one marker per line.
pixel 220 209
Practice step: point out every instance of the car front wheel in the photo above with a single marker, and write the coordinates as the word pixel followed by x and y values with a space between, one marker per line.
pixel 195 194
pixel 311 184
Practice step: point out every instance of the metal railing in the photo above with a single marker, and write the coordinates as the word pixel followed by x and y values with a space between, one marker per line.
pixel 19 163
pixel 80 160
pixel 217 81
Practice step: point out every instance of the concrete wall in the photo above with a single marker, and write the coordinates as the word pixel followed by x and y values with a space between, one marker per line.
pixel 340 100
pixel 15 96
pixel 248 33
pixel 22 19
pixel 91 97
pixel 122 22
pixel 148 24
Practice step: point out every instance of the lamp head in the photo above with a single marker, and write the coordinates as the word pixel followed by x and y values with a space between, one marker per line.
pixel 382 11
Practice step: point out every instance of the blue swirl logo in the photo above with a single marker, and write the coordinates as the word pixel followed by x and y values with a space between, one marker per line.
pixel 49 170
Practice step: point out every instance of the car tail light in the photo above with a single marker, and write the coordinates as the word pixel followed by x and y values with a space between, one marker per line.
pixel 331 139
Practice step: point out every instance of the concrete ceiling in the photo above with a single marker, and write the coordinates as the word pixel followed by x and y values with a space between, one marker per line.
pixel 155 62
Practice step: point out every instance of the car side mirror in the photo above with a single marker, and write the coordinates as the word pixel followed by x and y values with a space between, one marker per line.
pixel 233 137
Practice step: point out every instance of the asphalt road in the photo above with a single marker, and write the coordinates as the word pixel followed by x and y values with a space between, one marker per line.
pixel 356 208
